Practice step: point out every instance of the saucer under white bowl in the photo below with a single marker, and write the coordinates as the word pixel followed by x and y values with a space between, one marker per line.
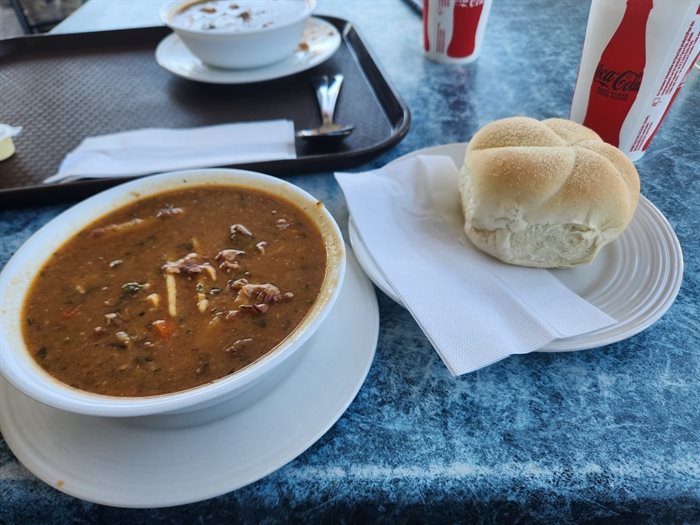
pixel 156 461
pixel 320 40
pixel 634 279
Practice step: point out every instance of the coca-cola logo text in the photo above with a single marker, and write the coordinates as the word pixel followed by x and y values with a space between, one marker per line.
pixel 624 81
pixel 469 3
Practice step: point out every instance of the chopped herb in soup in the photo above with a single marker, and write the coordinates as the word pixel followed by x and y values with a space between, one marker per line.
pixel 174 291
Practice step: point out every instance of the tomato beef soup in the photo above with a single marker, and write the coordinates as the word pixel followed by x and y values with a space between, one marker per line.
pixel 174 291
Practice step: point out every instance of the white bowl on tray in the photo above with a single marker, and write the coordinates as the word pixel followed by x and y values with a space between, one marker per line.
pixel 246 45
pixel 19 367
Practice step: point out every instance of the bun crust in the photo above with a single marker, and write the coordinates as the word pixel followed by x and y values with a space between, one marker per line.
pixel 548 194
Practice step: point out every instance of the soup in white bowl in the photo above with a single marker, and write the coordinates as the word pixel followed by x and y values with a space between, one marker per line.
pixel 239 35
pixel 168 293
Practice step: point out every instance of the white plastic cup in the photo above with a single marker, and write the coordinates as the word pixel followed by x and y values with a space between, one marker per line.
pixel 636 57
pixel 453 30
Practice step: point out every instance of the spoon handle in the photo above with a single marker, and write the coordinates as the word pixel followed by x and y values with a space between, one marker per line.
pixel 327 90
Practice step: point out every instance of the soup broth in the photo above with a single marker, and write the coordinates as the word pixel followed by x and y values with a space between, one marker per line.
pixel 237 16
pixel 174 291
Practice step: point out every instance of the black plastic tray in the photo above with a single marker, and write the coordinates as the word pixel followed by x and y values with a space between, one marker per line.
pixel 63 88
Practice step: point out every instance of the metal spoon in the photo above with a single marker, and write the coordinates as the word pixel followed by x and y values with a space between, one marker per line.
pixel 327 89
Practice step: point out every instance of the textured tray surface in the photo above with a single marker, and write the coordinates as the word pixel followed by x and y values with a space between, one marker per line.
pixel 63 88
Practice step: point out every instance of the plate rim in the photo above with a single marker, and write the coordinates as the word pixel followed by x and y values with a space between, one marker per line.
pixel 45 470
pixel 595 339
pixel 243 76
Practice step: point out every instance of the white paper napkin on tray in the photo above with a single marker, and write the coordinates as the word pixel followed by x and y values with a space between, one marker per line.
pixel 474 309
pixel 154 150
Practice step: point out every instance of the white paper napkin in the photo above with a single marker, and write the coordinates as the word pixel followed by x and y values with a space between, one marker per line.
pixel 153 150
pixel 474 309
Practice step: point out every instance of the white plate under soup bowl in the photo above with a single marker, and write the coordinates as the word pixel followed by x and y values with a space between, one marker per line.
pixel 20 368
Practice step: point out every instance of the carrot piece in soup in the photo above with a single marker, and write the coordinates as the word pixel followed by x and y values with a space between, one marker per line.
pixel 164 328
pixel 69 311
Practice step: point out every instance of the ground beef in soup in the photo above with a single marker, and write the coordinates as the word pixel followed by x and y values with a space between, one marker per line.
pixel 174 291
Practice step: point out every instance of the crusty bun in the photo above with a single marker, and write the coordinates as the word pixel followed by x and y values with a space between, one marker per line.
pixel 548 194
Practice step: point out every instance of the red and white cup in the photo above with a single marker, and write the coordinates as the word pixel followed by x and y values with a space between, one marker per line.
pixel 636 56
pixel 453 30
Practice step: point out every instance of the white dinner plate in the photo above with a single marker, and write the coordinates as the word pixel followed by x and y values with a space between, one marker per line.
pixel 156 462
pixel 634 279
pixel 321 39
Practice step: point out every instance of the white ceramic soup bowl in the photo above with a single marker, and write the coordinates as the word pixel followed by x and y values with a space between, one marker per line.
pixel 245 46
pixel 21 370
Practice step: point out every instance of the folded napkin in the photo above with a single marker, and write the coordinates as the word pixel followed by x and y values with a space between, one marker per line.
pixel 154 150
pixel 474 309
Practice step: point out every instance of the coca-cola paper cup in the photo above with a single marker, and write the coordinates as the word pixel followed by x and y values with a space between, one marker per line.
pixel 636 57
pixel 453 30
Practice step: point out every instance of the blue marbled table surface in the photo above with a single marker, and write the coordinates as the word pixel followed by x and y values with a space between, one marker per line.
pixel 608 434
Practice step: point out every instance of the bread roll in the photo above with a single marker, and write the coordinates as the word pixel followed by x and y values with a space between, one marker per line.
pixel 547 194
